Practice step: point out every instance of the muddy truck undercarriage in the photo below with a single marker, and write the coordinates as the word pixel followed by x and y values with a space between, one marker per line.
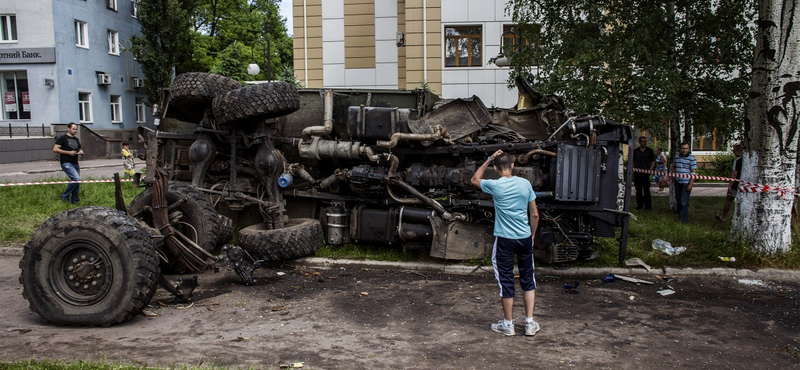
pixel 293 169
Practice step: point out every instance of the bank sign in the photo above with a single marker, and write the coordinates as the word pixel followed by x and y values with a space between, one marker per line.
pixel 27 55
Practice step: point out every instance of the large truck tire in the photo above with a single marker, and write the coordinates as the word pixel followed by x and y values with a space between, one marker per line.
pixel 300 237
pixel 266 100
pixel 197 217
pixel 225 230
pixel 89 266
pixel 191 93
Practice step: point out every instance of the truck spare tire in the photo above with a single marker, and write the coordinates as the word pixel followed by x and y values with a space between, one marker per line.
pixel 93 266
pixel 191 93
pixel 266 100
pixel 300 237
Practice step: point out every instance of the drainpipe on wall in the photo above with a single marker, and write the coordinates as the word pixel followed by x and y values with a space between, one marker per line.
pixel 425 41
pixel 305 45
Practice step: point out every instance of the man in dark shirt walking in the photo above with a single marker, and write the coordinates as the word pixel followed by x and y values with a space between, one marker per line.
pixel 68 148
pixel 643 158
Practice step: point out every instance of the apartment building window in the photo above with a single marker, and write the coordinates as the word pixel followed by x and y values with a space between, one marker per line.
pixel 113 42
pixel 8 33
pixel 512 38
pixel 116 109
pixel 85 107
pixel 81 34
pixel 134 6
pixel 463 46
pixel 16 99
pixel 140 117
pixel 111 4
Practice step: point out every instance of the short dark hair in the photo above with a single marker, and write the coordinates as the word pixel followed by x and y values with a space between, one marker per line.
pixel 124 143
pixel 503 161
pixel 685 143
pixel 69 125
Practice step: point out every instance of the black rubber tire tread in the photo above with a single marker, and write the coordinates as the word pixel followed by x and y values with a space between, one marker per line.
pixel 191 93
pixel 300 237
pixel 128 276
pixel 225 230
pixel 266 100
pixel 197 211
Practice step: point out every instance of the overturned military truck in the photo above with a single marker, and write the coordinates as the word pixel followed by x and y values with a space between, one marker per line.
pixel 293 169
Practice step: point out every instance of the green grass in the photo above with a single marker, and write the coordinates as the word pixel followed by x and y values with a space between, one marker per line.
pixel 24 208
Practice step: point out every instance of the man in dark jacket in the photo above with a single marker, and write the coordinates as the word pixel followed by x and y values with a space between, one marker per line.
pixel 68 147
pixel 645 159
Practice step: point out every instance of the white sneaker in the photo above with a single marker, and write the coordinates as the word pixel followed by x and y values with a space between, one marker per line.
pixel 531 328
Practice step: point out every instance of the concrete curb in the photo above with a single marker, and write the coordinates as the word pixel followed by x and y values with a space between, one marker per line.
pixel 455 269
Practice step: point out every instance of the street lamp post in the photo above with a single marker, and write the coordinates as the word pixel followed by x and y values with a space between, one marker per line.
pixel 253 69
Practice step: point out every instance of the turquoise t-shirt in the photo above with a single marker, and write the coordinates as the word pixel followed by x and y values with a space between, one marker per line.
pixel 511 196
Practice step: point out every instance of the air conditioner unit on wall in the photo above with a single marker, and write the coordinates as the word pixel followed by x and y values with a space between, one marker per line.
pixel 137 82
pixel 103 79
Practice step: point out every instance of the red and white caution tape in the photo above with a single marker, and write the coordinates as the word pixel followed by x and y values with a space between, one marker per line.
pixel 60 182
pixel 744 186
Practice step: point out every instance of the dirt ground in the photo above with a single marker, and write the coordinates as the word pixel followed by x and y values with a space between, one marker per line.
pixel 359 317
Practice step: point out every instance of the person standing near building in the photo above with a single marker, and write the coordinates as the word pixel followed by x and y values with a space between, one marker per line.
pixel 516 219
pixel 643 159
pixel 68 148
pixel 683 164
pixel 733 186
pixel 127 160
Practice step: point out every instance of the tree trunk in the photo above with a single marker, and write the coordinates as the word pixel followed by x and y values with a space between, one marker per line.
pixel 771 129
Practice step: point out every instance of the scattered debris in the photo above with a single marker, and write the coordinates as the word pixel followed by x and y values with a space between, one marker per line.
pixel 669 279
pixel 631 298
pixel 610 278
pixel 571 288
pixel 727 259
pixel 280 273
pixel 637 262
pixel 666 292
pixel 278 308
pixel 241 339
pixel 365 294
pixel 294 365
pixel 633 279
pixel 752 282
pixel 20 330
pixel 149 313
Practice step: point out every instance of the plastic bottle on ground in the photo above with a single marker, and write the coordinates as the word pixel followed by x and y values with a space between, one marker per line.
pixel 663 246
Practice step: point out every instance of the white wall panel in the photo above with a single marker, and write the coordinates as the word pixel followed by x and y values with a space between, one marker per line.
pixel 385 51
pixel 333 52
pixel 360 77
pixel 333 29
pixel 480 10
pixel 454 11
pixel 332 9
pixel 333 75
pixel 385 8
pixel 386 75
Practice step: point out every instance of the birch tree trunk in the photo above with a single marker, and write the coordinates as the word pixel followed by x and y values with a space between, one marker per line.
pixel 771 127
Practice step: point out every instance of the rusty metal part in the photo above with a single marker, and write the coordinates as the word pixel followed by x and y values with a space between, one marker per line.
pixel 439 132
pixel 327 122
pixel 523 159
pixel 161 221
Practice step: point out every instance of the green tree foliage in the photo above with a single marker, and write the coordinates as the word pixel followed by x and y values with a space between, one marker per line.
pixel 163 42
pixel 198 35
pixel 642 61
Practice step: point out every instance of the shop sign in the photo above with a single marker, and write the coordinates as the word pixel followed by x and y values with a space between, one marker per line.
pixel 27 55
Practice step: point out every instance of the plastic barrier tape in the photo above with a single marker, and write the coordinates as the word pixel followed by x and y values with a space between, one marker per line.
pixel 60 182
pixel 744 186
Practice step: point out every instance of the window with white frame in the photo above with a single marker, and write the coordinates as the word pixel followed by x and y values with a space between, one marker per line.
pixel 134 6
pixel 81 34
pixel 116 109
pixel 8 33
pixel 463 46
pixel 111 4
pixel 140 115
pixel 113 42
pixel 85 107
